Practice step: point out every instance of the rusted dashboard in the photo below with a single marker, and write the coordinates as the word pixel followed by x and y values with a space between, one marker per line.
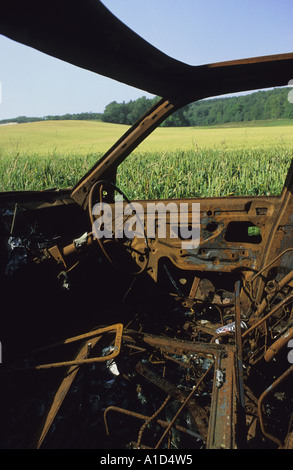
pixel 233 234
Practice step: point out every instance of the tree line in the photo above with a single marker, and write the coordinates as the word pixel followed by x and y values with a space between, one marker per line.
pixel 64 117
pixel 261 105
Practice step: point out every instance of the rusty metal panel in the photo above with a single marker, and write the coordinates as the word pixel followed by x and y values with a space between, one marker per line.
pixel 223 420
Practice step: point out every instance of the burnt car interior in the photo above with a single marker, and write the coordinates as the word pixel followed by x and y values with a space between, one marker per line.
pixel 140 343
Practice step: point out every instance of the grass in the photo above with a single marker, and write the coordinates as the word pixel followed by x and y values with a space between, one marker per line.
pixel 172 162
pixel 59 137
pixel 260 123
pixel 34 172
pixel 84 137
pixel 205 173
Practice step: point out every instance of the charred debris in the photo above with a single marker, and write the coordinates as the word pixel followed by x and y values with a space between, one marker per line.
pixel 96 357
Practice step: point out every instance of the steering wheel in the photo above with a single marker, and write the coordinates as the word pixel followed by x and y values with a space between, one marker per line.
pixel 116 247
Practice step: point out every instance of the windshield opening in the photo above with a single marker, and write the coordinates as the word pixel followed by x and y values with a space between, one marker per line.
pixel 206 149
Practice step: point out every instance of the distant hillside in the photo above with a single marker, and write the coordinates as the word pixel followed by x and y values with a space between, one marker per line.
pixel 258 106
pixel 64 117
pixel 262 105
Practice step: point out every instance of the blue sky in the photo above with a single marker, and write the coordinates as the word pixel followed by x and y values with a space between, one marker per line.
pixel 193 31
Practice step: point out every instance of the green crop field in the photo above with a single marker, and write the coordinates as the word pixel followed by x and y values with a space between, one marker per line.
pixel 238 159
